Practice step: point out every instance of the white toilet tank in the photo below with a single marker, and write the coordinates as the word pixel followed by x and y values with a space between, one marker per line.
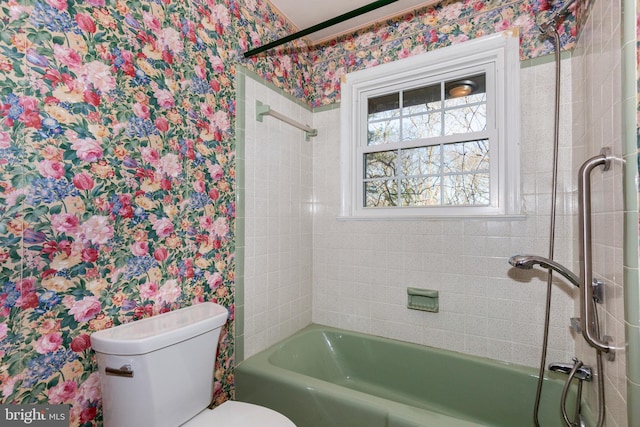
pixel 159 371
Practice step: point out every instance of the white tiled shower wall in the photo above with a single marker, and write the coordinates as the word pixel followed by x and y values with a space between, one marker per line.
pixel 278 221
pixel 361 269
pixel 358 271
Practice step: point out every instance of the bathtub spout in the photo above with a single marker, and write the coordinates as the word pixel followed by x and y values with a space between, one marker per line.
pixel 527 262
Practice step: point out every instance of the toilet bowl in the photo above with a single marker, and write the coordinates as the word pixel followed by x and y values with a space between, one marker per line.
pixel 159 372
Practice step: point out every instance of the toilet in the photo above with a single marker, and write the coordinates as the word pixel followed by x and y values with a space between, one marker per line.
pixel 158 372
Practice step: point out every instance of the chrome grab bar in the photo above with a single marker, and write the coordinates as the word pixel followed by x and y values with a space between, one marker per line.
pixel 587 308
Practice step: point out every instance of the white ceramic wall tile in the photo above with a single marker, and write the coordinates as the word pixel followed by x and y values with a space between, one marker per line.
pixel 597 123
pixel 278 221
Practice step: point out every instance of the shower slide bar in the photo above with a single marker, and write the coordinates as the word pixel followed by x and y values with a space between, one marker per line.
pixel 587 308
pixel 266 110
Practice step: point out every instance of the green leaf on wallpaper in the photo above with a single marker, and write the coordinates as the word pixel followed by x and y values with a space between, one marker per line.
pixel 53 210
pixel 17 70
pixel 99 37
pixel 17 363
pixel 5 36
pixel 12 53
pixel 35 391
pixel 59 40
pixel 54 382
pixel 9 241
pixel 69 322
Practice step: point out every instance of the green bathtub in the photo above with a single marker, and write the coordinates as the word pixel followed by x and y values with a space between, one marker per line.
pixel 327 377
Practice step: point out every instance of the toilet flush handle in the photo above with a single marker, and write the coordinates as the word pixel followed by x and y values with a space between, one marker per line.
pixel 123 371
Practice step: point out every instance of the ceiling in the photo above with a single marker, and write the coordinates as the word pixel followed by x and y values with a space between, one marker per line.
pixel 307 13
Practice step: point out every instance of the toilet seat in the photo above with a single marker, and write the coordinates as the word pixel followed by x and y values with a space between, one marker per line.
pixel 239 414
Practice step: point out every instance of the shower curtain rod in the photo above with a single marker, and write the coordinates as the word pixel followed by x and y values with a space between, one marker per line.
pixel 321 26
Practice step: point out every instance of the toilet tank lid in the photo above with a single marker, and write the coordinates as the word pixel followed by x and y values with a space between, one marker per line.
pixel 146 335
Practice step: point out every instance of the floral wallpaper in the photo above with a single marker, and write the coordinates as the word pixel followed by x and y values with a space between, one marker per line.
pixel 117 178
pixel 117 161
pixel 438 25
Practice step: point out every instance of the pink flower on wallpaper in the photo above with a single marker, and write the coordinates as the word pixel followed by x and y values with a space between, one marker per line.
pixel 63 392
pixel 215 170
pixel 199 186
pixel 95 3
pixel 65 223
pixel 165 98
pixel 3 330
pixel 221 120
pixel 163 227
pixel 58 4
pixel 48 343
pixel 9 384
pixel 201 72
pixel 170 291
pixel 170 165
pixel 151 21
pixel 97 75
pixel 150 155
pixel 85 309
pixel 67 56
pixel 97 230
pixel 89 390
pixel 141 110
pixel 160 254
pixel 80 343
pixel 221 13
pixel 162 124
pixel 502 25
pixel 51 169
pixel 148 290
pixel 220 227
pixel 205 222
pixel 213 279
pixel 170 39
pixel 5 139
pixel 87 149
pixel 83 181
pixel 216 63
pixel 206 109
pixel 86 23
pixel 140 248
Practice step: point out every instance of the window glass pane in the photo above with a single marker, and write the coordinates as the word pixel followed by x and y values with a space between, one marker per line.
pixel 421 100
pixel 421 161
pixel 465 90
pixel 466 105
pixel 379 194
pixel 470 156
pixel 383 132
pixel 420 191
pixel 384 107
pixel 422 126
pixel 472 118
pixel 380 165
pixel 468 189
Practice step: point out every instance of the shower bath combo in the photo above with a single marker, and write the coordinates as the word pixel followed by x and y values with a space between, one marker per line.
pixel 590 290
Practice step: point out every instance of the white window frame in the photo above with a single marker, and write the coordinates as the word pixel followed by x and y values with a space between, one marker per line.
pixel 498 56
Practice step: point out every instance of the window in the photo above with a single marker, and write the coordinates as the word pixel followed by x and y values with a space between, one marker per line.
pixel 434 135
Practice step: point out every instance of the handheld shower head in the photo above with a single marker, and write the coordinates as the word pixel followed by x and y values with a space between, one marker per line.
pixel 526 262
